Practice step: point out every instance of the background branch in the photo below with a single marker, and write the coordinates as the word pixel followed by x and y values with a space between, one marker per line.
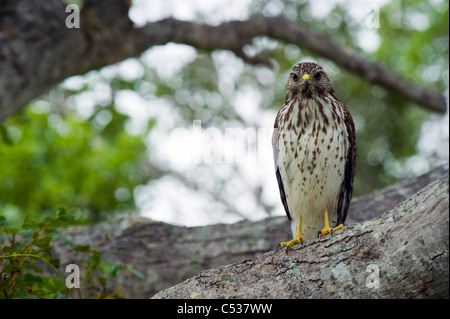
pixel 107 36
pixel 234 35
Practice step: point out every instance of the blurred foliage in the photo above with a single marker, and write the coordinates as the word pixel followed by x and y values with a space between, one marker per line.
pixel 82 151
pixel 22 260
pixel 26 254
pixel 50 159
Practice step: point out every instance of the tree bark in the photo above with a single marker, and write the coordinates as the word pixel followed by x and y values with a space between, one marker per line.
pixel 402 254
pixel 168 254
pixel 38 51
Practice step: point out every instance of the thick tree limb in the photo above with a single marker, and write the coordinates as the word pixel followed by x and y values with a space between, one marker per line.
pixel 235 34
pixel 402 254
pixel 38 51
pixel 380 201
pixel 168 254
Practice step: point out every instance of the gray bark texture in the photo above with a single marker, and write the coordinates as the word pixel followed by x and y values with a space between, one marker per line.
pixel 408 243
pixel 401 254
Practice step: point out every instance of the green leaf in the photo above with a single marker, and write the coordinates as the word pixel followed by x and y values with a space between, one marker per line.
pixel 32 267
pixel 5 136
pixel 102 281
pixel 109 269
pixel 30 279
pixel 3 221
pixel 63 237
pixel 26 232
pixel 82 248
pixel 94 261
pixel 136 273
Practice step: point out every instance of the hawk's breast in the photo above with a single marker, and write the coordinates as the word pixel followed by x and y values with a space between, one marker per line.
pixel 312 148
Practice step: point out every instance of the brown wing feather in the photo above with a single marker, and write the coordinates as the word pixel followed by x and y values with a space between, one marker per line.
pixel 275 141
pixel 346 191
pixel 282 194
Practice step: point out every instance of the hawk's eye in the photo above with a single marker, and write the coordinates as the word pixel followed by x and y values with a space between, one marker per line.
pixel 317 76
pixel 295 77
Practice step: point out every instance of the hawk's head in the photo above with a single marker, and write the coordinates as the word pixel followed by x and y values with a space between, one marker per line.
pixel 308 80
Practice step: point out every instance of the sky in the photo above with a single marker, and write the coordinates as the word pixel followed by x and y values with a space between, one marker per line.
pixel 199 147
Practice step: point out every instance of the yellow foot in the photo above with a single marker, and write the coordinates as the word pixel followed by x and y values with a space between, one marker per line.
pixel 289 244
pixel 329 230
pixel 298 238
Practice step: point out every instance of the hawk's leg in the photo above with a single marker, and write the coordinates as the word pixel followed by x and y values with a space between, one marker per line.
pixel 298 238
pixel 327 229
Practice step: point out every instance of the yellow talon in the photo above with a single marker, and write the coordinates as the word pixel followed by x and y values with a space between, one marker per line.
pixel 289 244
pixel 327 229
pixel 297 240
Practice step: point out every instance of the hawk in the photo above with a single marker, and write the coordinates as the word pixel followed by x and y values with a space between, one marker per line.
pixel 314 146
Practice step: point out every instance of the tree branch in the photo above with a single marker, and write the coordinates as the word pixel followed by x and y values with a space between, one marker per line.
pixel 402 254
pixel 168 254
pixel 380 201
pixel 234 35
pixel 31 63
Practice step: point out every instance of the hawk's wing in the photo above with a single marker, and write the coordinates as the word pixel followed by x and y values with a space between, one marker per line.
pixel 275 142
pixel 346 191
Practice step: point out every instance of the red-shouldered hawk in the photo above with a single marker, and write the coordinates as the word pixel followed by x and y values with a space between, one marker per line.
pixel 314 147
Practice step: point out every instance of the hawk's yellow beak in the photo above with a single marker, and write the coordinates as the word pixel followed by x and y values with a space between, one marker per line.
pixel 306 78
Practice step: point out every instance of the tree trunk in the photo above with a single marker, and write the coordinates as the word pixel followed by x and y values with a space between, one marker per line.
pixel 416 230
